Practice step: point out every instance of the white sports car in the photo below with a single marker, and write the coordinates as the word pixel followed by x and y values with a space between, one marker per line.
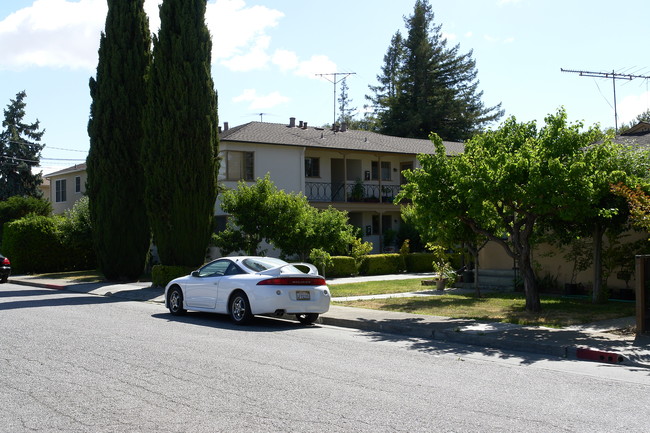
pixel 245 286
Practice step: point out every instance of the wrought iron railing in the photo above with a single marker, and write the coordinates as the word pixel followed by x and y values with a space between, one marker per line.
pixel 351 192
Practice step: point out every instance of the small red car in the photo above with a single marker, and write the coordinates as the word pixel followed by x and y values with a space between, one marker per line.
pixel 5 269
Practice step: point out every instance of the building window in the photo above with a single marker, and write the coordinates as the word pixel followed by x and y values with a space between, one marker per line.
pixel 312 167
pixel 386 224
pixel 239 166
pixel 60 190
pixel 385 170
pixel 77 184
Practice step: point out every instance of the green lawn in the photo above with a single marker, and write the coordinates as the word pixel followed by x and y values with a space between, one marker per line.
pixel 378 287
pixel 499 307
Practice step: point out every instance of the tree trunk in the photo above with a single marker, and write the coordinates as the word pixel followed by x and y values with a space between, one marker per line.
pixel 533 303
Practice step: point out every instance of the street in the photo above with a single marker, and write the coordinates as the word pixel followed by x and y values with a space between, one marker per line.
pixel 83 363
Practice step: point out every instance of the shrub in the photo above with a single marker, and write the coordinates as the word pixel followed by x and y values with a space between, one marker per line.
pixel 163 274
pixel 77 237
pixel 382 264
pixel 341 266
pixel 33 244
pixel 419 262
pixel 17 207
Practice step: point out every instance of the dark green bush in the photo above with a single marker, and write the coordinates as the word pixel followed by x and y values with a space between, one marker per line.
pixel 33 244
pixel 382 264
pixel 342 266
pixel 162 274
pixel 77 237
pixel 17 207
pixel 419 262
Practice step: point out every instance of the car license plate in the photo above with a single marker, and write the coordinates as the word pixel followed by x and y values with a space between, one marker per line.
pixel 302 295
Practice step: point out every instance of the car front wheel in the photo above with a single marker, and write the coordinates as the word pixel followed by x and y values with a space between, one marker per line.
pixel 307 318
pixel 240 310
pixel 175 301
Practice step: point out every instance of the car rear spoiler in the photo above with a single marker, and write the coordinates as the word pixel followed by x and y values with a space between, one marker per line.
pixel 278 270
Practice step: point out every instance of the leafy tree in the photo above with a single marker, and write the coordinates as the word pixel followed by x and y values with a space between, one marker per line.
pixel 260 212
pixel 115 183
pixel 639 203
pixel 508 181
pixel 181 142
pixel 426 86
pixel 21 151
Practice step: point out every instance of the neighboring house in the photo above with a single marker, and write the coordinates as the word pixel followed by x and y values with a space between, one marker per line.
pixel 355 171
pixel 66 187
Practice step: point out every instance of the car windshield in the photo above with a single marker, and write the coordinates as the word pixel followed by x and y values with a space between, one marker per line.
pixel 260 264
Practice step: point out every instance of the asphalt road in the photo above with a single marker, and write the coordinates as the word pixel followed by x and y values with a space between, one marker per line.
pixel 79 363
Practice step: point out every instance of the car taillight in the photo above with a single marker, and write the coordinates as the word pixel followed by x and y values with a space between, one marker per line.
pixel 292 281
pixel 6 261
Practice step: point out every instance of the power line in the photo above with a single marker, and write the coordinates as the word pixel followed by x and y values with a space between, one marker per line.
pixel 614 76
pixel 335 81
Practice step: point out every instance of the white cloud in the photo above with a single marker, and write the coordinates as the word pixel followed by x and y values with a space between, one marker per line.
pixel 318 64
pixel 285 60
pixel 256 58
pixel 56 33
pixel 260 102
pixel 631 106
pixel 469 35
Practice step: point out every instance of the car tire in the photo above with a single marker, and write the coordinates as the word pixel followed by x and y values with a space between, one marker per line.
pixel 4 279
pixel 175 301
pixel 240 308
pixel 307 318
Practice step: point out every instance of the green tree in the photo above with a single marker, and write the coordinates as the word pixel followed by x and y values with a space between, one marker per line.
pixel 346 112
pixel 115 184
pixel 260 212
pixel 509 181
pixel 425 86
pixel 21 151
pixel 181 142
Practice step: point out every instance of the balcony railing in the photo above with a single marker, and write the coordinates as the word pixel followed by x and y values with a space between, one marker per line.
pixel 350 192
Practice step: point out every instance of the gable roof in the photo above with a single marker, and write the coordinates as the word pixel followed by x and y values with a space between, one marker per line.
pixel 320 138
pixel 74 169
pixel 638 135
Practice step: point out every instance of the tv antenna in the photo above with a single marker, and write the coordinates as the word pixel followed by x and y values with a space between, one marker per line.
pixel 614 76
pixel 335 80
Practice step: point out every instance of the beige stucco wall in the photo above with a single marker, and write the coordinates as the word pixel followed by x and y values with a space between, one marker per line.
pixel 71 195
pixel 552 261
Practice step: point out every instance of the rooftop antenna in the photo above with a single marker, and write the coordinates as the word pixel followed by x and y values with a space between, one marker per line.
pixel 614 76
pixel 335 80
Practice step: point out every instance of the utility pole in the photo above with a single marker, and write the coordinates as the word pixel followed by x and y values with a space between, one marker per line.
pixel 335 80
pixel 614 76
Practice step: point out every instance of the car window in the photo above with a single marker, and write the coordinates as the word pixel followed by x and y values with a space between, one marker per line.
pixel 233 269
pixel 263 263
pixel 215 269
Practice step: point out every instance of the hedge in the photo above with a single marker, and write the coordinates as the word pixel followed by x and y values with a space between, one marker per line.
pixel 34 245
pixel 419 262
pixel 382 264
pixel 163 274
pixel 342 266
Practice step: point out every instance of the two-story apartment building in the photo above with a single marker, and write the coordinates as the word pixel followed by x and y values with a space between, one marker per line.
pixel 355 171
pixel 66 187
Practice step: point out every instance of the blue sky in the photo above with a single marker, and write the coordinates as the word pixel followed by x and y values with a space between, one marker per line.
pixel 267 54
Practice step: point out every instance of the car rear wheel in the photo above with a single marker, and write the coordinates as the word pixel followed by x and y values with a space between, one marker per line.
pixel 240 310
pixel 307 318
pixel 175 301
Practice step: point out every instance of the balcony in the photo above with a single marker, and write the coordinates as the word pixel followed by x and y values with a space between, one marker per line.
pixel 350 192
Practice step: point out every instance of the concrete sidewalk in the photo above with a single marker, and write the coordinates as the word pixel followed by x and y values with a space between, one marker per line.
pixel 595 342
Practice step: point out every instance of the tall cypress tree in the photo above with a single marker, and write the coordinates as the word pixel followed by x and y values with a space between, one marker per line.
pixel 428 87
pixel 20 151
pixel 181 130
pixel 115 183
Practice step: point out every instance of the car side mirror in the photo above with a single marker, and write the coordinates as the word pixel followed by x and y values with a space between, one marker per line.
pixel 195 274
